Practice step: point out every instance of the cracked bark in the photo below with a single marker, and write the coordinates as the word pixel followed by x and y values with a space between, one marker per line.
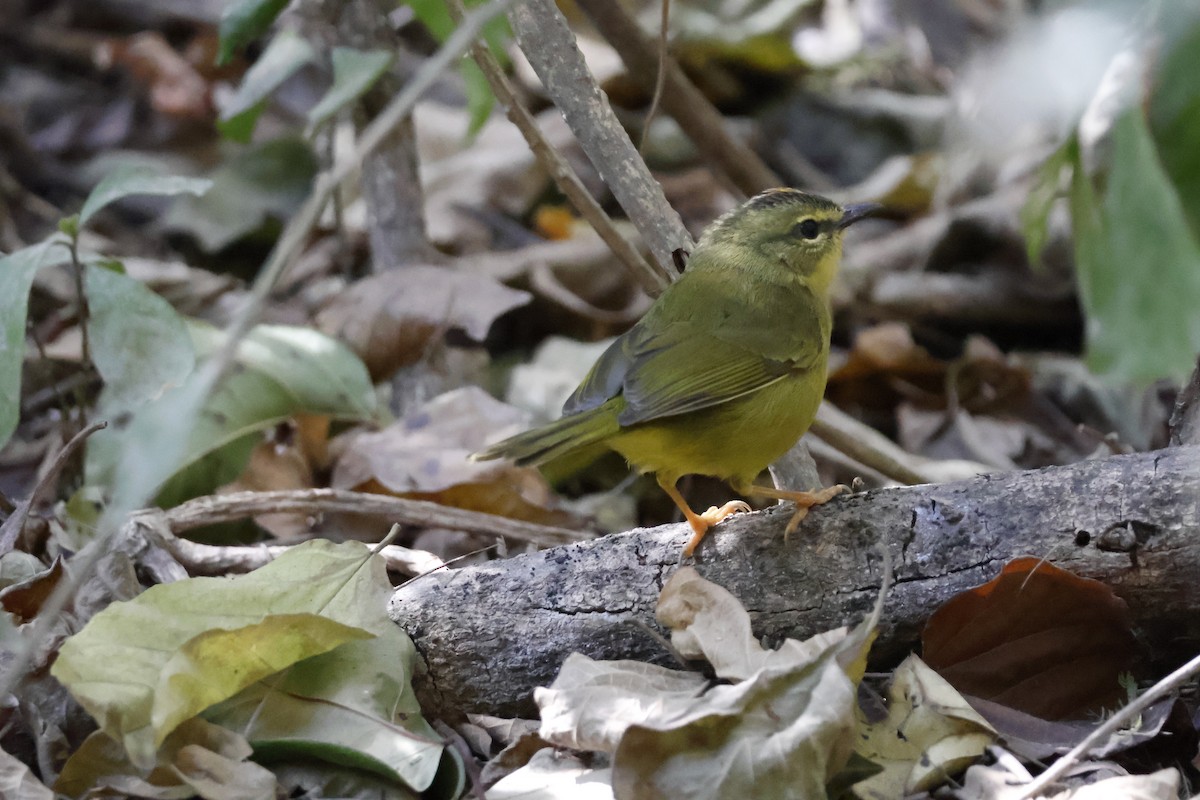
pixel 487 635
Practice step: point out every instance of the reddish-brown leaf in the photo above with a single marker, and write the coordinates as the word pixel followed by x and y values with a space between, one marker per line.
pixel 1036 638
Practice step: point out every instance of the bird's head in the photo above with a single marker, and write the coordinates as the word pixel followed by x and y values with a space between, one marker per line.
pixel 794 230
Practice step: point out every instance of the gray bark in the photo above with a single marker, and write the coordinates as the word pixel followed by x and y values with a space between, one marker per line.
pixel 487 635
pixel 548 43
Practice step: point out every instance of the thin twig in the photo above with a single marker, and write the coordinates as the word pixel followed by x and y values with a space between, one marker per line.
pixel 867 446
pixel 80 298
pixel 547 42
pixel 12 526
pixel 418 513
pixel 696 116
pixel 660 78
pixel 1111 726
pixel 568 182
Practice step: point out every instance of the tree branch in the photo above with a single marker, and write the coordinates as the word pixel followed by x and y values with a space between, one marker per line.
pixel 487 635
pixel 548 43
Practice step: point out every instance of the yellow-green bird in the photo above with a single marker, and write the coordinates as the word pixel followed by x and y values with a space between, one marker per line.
pixel 726 370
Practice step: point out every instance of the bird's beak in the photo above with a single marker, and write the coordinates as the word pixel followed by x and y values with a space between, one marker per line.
pixel 853 213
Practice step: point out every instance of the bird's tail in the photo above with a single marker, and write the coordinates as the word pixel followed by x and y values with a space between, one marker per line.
pixel 563 436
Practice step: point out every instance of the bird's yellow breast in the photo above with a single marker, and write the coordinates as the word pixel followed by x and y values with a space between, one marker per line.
pixel 734 441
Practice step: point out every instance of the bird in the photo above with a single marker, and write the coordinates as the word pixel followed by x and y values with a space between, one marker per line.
pixel 725 371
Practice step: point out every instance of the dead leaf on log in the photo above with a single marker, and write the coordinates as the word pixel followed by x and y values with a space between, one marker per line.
pixel 1036 638
pixel 785 727
pixel 390 319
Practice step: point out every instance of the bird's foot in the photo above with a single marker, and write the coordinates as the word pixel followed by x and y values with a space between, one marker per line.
pixel 702 522
pixel 806 500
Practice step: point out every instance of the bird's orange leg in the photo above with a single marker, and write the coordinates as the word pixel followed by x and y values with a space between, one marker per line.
pixel 700 522
pixel 803 500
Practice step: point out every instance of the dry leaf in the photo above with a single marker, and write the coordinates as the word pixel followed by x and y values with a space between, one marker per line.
pixel 784 731
pixel 1036 638
pixel 1037 739
pixel 550 775
pixel 706 621
pixel 930 733
pixel 176 88
pixel 390 319
pixel 995 783
pixel 288 458
pixel 24 599
pixel 592 703
pixel 425 456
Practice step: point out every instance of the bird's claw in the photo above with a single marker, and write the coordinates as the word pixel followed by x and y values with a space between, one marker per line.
pixel 804 503
pixel 714 515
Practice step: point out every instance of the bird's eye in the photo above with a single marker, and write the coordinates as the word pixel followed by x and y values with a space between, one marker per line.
pixel 806 229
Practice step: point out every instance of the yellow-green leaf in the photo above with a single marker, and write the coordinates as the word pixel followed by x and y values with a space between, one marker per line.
pixel 143 666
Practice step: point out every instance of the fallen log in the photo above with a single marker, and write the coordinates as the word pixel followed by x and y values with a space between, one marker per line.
pixel 487 635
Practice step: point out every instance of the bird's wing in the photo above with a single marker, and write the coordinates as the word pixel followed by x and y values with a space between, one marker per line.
pixel 682 368
pixel 667 365
pixel 686 368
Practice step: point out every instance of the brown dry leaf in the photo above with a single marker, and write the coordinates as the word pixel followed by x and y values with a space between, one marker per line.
pixel 883 366
pixel 1036 638
pixel 288 458
pixel 785 732
pixel 176 88
pixel 929 733
pixel 425 456
pixel 24 599
pixel 390 319
pixel 591 704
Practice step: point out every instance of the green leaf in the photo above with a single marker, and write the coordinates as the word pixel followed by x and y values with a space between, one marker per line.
pixel 354 72
pixel 278 371
pixel 352 706
pixel 286 54
pixel 1175 118
pixel 143 666
pixel 265 180
pixel 435 16
pixel 243 21
pixel 1035 214
pixel 1138 264
pixel 139 344
pixel 132 458
pixel 130 180
pixel 16 278
pixel 69 226
pixel 480 100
